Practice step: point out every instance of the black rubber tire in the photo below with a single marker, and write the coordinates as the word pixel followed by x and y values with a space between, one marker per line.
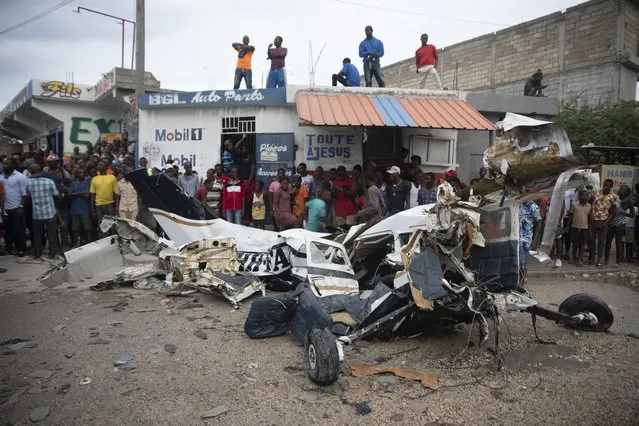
pixel 584 302
pixel 321 357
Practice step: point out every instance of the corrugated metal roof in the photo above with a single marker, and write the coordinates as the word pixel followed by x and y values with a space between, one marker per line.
pixel 445 114
pixel 335 110
pixel 347 109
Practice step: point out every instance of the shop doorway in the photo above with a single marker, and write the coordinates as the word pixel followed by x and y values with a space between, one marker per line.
pixel 55 142
pixel 232 130
pixel 383 146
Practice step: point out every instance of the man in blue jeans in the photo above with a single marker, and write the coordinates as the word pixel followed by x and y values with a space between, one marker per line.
pixel 370 50
pixel 44 194
pixel 277 56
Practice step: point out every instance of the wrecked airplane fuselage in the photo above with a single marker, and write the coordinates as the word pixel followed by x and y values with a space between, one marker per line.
pixel 453 261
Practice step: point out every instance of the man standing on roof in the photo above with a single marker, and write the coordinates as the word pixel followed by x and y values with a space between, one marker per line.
pixel 243 68
pixel 348 76
pixel 426 62
pixel 277 56
pixel 370 50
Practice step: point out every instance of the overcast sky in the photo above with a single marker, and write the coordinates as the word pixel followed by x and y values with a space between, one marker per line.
pixel 188 41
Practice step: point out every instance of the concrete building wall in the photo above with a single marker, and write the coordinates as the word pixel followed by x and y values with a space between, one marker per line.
pixel 206 151
pixel 82 122
pixel 631 28
pixel 579 51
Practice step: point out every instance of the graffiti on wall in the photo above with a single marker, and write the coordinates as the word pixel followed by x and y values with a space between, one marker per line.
pixel 87 130
pixel 329 146
pixel 60 89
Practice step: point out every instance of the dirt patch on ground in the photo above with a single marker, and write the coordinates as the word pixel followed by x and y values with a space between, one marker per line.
pixel 59 347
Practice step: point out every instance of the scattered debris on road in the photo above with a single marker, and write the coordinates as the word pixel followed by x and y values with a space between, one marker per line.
pixel 38 414
pixel 64 388
pixel 122 359
pixel 201 334
pixel 215 412
pixel 428 379
pixel 42 374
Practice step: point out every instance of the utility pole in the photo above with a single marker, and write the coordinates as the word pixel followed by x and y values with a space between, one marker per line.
pixel 121 22
pixel 139 49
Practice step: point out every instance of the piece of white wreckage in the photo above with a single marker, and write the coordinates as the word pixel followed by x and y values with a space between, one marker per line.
pixel 136 254
pixel 294 255
pixel 212 256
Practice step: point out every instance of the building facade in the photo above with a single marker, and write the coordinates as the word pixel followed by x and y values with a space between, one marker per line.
pixel 326 127
pixel 58 116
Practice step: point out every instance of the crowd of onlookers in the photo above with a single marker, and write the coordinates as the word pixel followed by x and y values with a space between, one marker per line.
pixel 46 200
pixel 591 220
pixel 322 201
pixel 50 203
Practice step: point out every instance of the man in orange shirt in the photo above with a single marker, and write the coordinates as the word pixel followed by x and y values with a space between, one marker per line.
pixel 243 67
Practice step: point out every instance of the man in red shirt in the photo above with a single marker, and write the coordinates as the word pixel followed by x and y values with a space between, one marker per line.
pixel 345 211
pixel 426 62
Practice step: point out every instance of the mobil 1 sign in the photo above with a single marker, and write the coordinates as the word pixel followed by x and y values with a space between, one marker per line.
pixel 185 134
pixel 175 145
pixel 332 146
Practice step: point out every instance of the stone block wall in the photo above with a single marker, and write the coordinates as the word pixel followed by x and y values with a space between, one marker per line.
pixel 578 51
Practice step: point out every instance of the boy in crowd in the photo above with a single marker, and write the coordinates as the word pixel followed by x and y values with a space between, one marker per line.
pixel 234 198
pixel 80 209
pixel 428 192
pixel 617 225
pixel 318 184
pixel 127 202
pixel 578 224
pixel 316 210
pixel 398 191
pixel 604 205
pixel 210 193
pixel 275 185
pixel 631 213
pixel 103 188
pixel 228 159
pixel 529 225
pixel 258 207
pixel 282 207
pixel 342 190
pixel 188 181
pixel 44 194
pixel 374 207
pixel 299 194
pixel 307 180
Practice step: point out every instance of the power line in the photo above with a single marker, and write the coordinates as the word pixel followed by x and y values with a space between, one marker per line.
pixel 408 12
pixel 35 17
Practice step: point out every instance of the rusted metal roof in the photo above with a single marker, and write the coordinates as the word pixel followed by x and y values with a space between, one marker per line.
pixel 346 109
